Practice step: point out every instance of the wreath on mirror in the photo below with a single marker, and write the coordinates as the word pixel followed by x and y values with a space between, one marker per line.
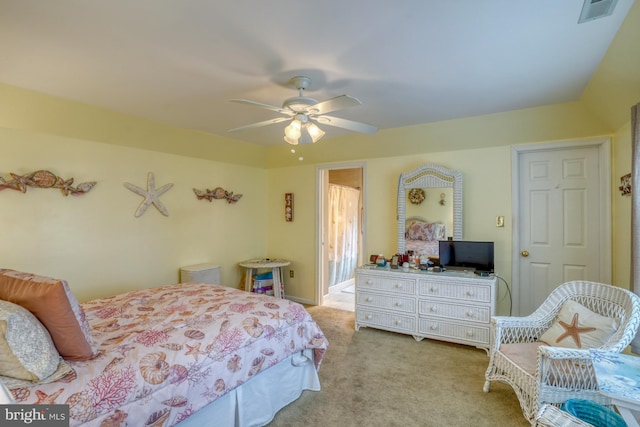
pixel 416 196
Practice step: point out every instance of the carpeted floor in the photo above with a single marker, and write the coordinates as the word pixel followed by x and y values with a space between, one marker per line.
pixel 378 378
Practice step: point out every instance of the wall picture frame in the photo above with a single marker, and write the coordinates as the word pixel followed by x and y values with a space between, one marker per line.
pixel 625 185
pixel 288 207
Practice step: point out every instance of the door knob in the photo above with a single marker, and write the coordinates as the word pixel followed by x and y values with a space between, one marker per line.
pixel 524 253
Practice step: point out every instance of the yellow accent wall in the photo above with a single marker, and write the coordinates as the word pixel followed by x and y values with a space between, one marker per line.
pixel 610 94
pixel 95 242
pixel 621 208
pixel 551 122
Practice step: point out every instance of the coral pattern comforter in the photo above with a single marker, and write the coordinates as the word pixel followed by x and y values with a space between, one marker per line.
pixel 166 352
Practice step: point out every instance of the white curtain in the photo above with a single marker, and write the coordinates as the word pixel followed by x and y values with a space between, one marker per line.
pixel 343 232
pixel 635 209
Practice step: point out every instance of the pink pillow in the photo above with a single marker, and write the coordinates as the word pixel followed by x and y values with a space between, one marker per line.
pixel 425 231
pixel 52 302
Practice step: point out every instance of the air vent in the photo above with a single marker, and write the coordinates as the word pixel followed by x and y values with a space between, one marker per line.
pixel 594 9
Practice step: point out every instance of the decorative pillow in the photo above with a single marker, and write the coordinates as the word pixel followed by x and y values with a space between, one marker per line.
pixel 425 231
pixel 52 302
pixel 439 231
pixel 26 349
pixel 579 327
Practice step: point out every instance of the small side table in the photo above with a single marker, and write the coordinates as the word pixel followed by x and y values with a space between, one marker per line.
pixel 618 377
pixel 274 265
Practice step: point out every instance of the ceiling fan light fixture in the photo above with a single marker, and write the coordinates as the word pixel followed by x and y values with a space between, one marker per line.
pixel 293 129
pixel 291 141
pixel 300 110
pixel 292 132
pixel 314 132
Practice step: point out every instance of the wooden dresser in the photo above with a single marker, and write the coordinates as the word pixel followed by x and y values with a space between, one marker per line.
pixel 448 306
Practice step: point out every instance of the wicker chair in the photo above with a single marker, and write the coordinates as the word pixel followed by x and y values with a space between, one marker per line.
pixel 560 373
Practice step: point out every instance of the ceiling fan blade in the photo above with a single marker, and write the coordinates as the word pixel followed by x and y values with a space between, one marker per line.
pixel 259 124
pixel 333 104
pixel 345 124
pixel 261 105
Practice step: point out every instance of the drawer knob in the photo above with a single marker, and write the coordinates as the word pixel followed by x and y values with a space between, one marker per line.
pixel 397 322
pixel 469 333
pixel 369 317
pixel 469 293
pixel 368 299
pixel 469 313
pixel 432 289
pixel 398 285
pixel 433 327
pixel 368 282
pixel 398 304
pixel 433 308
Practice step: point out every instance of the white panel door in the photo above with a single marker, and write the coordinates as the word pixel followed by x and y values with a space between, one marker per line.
pixel 559 204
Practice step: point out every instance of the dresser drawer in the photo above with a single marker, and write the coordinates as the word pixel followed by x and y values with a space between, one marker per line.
pixel 438 308
pixel 389 302
pixel 385 320
pixel 459 332
pixel 468 292
pixel 389 284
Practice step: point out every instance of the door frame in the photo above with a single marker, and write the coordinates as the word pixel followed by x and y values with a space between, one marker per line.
pixel 604 161
pixel 322 187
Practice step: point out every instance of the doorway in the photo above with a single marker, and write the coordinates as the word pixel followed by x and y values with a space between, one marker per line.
pixel 562 218
pixel 339 232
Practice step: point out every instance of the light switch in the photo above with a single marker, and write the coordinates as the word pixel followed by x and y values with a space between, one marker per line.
pixel 500 221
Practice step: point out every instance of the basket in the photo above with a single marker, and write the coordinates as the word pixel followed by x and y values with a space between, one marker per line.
pixel 593 413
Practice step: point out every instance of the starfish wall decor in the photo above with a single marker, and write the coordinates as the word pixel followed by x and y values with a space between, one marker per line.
pixel 151 195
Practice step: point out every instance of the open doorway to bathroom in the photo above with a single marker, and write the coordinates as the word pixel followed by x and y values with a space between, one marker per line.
pixel 340 236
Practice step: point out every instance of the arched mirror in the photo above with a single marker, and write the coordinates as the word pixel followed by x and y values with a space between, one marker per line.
pixel 429 208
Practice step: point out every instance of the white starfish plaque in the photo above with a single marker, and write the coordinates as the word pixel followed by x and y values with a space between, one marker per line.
pixel 151 195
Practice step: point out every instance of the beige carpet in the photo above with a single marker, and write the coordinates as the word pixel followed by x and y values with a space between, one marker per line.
pixel 378 378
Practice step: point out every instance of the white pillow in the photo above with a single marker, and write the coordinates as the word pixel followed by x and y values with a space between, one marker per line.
pixel 26 348
pixel 579 327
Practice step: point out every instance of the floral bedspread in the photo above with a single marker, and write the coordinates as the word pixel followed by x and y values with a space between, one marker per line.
pixel 166 352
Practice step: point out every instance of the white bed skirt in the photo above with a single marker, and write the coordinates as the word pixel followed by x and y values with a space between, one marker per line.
pixel 257 401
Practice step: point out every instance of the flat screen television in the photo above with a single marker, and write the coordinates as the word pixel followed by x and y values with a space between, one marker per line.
pixel 466 255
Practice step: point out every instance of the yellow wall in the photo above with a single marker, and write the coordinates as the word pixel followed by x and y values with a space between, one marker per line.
pixel 95 242
pixel 294 241
pixel 610 94
pixel 550 122
pixel 487 193
pixel 621 208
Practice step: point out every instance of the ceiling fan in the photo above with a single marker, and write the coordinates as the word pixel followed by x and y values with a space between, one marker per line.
pixel 303 111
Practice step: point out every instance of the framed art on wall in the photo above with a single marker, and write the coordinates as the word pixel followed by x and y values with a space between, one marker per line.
pixel 625 185
pixel 288 207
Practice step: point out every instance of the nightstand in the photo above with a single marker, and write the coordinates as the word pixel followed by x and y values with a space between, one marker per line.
pixel 274 265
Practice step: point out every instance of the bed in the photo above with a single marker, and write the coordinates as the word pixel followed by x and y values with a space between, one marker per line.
pixel 422 236
pixel 181 354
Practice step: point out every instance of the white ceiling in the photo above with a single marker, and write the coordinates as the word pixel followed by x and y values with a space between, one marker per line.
pixel 408 61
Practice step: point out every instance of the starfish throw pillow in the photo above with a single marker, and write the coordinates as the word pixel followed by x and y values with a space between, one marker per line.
pixel 578 327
